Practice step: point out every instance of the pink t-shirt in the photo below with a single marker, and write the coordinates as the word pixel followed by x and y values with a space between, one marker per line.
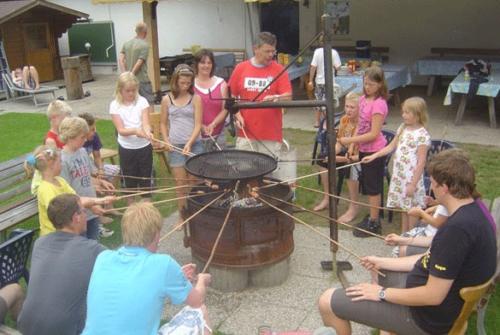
pixel 367 108
pixel 211 104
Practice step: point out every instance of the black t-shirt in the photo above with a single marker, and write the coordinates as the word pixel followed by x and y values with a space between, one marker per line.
pixel 463 249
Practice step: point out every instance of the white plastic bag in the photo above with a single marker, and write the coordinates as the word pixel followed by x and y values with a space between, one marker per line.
pixel 189 321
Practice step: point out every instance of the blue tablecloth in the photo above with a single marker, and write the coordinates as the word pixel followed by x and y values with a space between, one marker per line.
pixel 460 85
pixel 448 65
pixel 296 71
pixel 395 75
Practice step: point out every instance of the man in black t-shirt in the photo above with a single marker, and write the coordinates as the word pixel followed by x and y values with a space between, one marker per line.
pixel 420 294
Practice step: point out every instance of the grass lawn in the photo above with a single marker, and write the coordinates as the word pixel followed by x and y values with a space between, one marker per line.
pixel 21 133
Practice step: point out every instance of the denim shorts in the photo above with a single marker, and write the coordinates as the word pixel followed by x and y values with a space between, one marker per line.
pixel 176 159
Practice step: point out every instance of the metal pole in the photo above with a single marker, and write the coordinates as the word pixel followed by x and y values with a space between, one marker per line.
pixel 330 123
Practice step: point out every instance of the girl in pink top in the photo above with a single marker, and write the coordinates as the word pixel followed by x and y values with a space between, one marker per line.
pixel 214 112
pixel 372 113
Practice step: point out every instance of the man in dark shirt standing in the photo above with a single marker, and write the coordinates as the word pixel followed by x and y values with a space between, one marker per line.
pixel 420 294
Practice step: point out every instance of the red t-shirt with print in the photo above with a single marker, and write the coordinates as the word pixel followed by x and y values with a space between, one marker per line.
pixel 246 82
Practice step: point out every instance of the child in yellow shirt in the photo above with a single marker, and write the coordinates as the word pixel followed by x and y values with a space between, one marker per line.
pixel 47 160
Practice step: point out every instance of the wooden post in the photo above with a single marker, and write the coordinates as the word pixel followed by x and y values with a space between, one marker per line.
pixel 72 80
pixel 150 18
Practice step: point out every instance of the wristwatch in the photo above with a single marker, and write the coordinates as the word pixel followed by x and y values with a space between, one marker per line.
pixel 381 294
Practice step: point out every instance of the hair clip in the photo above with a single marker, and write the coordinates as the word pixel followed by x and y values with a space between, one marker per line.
pixel 183 68
pixel 31 160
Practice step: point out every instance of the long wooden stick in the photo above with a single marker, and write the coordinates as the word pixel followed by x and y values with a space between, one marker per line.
pixel 397 210
pixel 305 176
pixel 179 150
pixel 129 191
pixel 216 243
pixel 318 232
pixel 248 140
pixel 192 216
pixel 347 165
pixel 163 201
pixel 324 216
pixel 152 191
pixel 271 184
pixel 141 178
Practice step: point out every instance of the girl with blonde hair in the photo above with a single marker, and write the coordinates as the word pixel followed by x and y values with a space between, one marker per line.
pixel 130 115
pixel 406 189
pixel 47 160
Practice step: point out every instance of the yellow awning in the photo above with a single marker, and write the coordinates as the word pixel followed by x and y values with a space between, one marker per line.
pixel 96 2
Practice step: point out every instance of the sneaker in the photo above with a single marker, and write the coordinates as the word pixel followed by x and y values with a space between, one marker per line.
pixel 105 232
pixel 369 225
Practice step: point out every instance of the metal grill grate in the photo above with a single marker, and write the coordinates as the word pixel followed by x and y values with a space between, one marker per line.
pixel 230 165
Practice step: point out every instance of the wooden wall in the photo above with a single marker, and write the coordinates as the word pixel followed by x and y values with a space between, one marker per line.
pixel 12 33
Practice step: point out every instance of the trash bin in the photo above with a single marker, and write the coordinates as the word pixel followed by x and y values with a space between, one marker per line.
pixel 72 79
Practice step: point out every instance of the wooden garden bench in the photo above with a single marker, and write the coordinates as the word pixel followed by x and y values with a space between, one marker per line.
pixel 16 202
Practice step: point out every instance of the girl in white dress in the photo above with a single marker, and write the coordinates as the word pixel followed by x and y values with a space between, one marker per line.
pixel 411 143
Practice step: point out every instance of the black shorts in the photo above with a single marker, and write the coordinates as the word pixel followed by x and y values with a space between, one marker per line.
pixel 372 175
pixel 146 91
pixel 137 163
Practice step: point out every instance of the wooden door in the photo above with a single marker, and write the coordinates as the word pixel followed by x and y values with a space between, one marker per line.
pixel 37 49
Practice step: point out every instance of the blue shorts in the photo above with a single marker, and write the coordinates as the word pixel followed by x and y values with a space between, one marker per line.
pixel 176 159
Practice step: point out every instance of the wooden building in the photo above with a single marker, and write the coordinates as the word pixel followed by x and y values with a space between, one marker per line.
pixel 29 30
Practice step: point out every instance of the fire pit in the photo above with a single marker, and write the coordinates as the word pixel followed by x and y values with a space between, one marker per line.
pixel 257 240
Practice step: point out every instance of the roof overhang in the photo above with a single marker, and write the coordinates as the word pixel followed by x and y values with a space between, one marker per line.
pixel 12 9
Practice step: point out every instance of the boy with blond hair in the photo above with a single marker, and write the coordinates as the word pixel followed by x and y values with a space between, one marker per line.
pixel 146 279
pixel 77 168
pixel 56 112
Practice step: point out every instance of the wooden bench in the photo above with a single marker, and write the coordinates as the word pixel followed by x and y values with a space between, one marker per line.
pixel 465 52
pixel 16 202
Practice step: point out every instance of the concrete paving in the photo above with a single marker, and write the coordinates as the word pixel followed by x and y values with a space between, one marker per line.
pixel 475 127
pixel 290 306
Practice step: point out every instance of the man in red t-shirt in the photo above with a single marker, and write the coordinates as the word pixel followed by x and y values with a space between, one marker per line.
pixel 262 126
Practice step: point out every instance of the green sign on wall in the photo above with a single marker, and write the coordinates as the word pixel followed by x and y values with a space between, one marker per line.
pixel 101 38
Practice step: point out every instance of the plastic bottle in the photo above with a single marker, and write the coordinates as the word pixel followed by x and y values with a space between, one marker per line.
pixel 466 75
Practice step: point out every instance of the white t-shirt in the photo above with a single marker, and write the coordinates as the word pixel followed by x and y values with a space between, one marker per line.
pixel 131 116
pixel 440 211
pixel 319 63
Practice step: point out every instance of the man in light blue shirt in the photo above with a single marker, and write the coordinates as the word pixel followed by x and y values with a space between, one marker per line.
pixel 128 286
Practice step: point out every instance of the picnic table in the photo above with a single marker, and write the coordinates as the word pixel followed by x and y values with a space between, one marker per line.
pixel 299 70
pixel 436 66
pixel 489 89
pixel 396 76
